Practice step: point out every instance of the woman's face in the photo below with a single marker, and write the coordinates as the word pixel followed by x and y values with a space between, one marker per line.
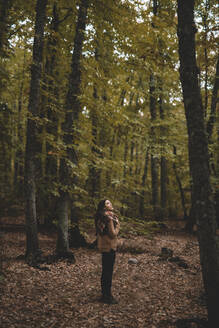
pixel 108 205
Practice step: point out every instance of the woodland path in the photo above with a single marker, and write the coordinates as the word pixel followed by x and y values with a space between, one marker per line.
pixel 153 293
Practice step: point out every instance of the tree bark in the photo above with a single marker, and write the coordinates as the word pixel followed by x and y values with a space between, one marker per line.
pixel 214 101
pixel 62 245
pixel 51 82
pixel 19 165
pixel 143 183
pixel 217 189
pixel 180 187
pixel 199 159
pixel 32 145
pixel 94 171
pixel 49 109
pixel 132 146
pixel 72 109
pixel 163 184
pixel 163 164
pixel 154 160
pixel 5 6
pixel 125 158
pixel 205 24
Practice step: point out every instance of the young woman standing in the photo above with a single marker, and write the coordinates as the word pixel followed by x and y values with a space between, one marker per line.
pixel 107 229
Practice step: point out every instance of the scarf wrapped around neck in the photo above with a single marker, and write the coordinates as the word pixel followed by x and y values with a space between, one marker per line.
pixel 101 222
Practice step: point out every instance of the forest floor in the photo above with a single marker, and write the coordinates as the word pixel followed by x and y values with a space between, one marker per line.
pixel 153 293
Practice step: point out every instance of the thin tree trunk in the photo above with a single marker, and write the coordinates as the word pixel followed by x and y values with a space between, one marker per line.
pixel 153 111
pixel 109 172
pixel 52 84
pixel 163 183
pixel 154 179
pixel 131 157
pixel 50 105
pixel 205 16
pixel 32 146
pixel 94 172
pixel 199 159
pixel 125 170
pixel 163 164
pixel 19 166
pixel 52 90
pixel 143 184
pixel 72 108
pixel 214 101
pixel 210 127
pixel 154 161
pixel 137 162
pixel 180 187
pixel 125 158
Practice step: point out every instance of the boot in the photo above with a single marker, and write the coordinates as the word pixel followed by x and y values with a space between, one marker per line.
pixel 109 299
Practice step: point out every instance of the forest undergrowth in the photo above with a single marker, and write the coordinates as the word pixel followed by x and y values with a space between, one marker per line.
pixel 154 290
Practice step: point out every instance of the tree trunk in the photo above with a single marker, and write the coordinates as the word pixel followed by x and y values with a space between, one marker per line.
pixel 163 184
pixel 154 160
pixel 131 157
pixel 180 187
pixel 214 101
pixel 94 171
pixel 217 174
pixel 5 6
pixel 199 159
pixel 62 244
pixel 49 110
pixel 32 146
pixel 126 147
pixel 163 164
pixel 205 24
pixel 51 76
pixel 191 221
pixel 72 108
pixel 19 156
pixel 143 183
pixel 125 170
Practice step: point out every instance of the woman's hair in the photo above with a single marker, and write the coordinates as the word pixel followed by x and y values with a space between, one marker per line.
pixel 101 205
pixel 100 208
pixel 101 218
pixel 100 211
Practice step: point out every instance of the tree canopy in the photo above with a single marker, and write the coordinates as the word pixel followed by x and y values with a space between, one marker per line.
pixel 129 59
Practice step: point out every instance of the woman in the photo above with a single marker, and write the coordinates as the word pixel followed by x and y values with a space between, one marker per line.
pixel 107 229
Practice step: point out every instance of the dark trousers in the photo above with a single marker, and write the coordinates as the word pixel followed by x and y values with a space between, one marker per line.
pixel 108 260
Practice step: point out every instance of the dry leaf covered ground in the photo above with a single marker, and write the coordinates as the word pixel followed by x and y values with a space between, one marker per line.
pixel 154 293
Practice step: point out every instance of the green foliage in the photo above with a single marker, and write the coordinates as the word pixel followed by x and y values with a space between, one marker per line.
pixel 138 227
pixel 113 131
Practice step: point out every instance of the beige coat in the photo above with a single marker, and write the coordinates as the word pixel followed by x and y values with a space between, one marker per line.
pixel 107 242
